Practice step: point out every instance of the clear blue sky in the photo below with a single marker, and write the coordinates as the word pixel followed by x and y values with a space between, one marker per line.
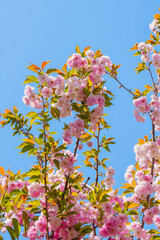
pixel 33 31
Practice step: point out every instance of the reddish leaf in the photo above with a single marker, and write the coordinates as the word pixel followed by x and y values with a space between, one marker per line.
pixel 135 47
pixel 28 140
pixel 7 110
pixel 44 64
pixel 24 198
pixel 58 71
pixel 78 49
pixel 2 171
pixel 157 15
pixel 64 68
pixel 86 49
pixel 34 68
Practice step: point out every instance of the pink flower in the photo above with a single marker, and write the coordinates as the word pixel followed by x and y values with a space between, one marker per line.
pixel 80 146
pixel 41 224
pixel 89 54
pixel 12 186
pixel 67 136
pixel 43 78
pixel 32 232
pixel 52 82
pixel 28 89
pixel 101 101
pixel 79 124
pixel 90 144
pixel 26 100
pixel 92 100
pixel 46 92
pixel 35 190
pixel 138 117
pixel 141 46
pixel 158 142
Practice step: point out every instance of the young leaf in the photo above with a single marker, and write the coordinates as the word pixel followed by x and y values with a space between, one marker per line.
pixel 25 219
pixel 55 112
pixel 31 79
pixel 2 171
pixel 44 64
pixel 132 212
pixel 34 68
pixel 28 140
pixel 11 232
pixel 86 49
pixel 16 226
pixel 77 49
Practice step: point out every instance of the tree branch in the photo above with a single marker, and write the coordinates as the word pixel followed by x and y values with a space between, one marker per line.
pixel 45 176
pixel 97 160
pixel 121 85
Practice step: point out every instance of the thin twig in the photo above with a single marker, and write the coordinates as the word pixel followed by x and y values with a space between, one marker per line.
pixel 121 85
pixel 149 69
pixel 85 184
pixel 45 176
pixel 97 161
pixel 67 177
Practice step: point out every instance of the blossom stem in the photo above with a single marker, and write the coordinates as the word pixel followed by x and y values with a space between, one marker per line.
pixel 149 69
pixel 67 177
pixel 97 162
pixel 45 176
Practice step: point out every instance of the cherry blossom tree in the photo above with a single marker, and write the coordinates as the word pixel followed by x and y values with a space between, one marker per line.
pixel 53 200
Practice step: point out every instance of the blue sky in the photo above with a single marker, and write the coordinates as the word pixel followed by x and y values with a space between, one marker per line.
pixel 35 31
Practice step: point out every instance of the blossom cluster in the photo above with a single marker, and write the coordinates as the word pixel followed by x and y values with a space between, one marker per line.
pixel 154 26
pixel 145 50
pixel 31 98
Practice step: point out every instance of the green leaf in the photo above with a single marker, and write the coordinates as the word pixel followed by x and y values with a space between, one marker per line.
pixel 155 237
pixel 137 53
pixel 140 70
pixel 86 91
pixel 71 213
pixel 61 147
pixel 27 148
pixel 51 133
pixel 16 226
pixel 25 219
pixel 76 107
pixel 1 238
pixel 32 114
pixel 154 231
pixel 132 212
pixel 69 207
pixel 55 112
pixel 107 69
pixel 106 147
pixel 11 232
pixel 56 162
pixel 126 192
pixel 31 79
pixel 96 90
pixel 104 159
pixel 145 92
pixel 86 229
pixel 103 165
pixel 51 70
pixel 77 49
pixel 35 177
pixel 35 209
